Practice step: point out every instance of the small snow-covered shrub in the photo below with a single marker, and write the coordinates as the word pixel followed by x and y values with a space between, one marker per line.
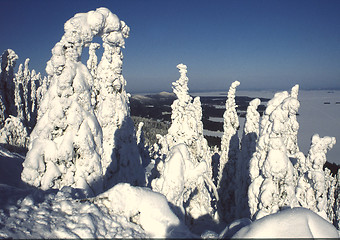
pixel 14 133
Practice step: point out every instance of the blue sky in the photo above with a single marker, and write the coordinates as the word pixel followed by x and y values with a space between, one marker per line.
pixel 266 44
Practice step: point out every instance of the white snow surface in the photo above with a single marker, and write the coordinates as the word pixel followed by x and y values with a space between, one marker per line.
pixel 56 214
pixel 289 223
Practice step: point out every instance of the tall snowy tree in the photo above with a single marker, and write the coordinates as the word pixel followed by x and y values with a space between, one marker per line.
pixel 313 186
pixel 187 128
pixel 19 95
pixel 121 159
pixel 271 171
pixel 337 202
pixel 7 87
pixel 66 144
pixel 248 147
pixel 229 155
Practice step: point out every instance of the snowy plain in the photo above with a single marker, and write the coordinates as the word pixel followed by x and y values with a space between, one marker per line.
pixel 319 112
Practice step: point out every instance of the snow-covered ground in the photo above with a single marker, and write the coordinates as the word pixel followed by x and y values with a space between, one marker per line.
pixel 66 213
pixel 319 112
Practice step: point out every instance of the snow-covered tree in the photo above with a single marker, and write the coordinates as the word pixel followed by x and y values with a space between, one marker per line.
pixel 187 128
pixel 121 159
pixel 248 147
pixel 337 202
pixel 19 94
pixel 291 104
pixel 142 146
pixel 330 190
pixel 179 176
pixel 271 171
pixel 14 133
pixel 7 87
pixel 66 144
pixel 313 186
pixel 42 89
pixel 229 155
pixel 92 62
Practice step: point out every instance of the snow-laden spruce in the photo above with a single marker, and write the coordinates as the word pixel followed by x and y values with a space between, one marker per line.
pixel 186 128
pixel 337 202
pixel 92 62
pixel 20 95
pixel 313 186
pixel 228 157
pixel 271 171
pixel 7 87
pixel 121 161
pixel 248 147
pixel 66 144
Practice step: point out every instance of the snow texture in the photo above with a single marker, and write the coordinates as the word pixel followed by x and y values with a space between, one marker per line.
pixel 85 156
pixel 146 208
pixel 289 223
pixel 179 178
pixel 60 215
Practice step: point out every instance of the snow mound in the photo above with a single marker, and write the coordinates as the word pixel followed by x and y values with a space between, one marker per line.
pixel 290 223
pixel 60 214
pixel 143 206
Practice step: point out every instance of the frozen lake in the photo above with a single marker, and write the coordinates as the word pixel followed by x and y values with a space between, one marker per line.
pixel 319 113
